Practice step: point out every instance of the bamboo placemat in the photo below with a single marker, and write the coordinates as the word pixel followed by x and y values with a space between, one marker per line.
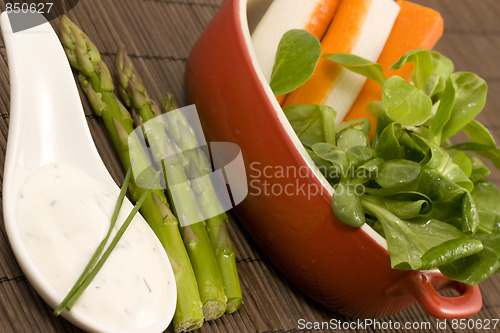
pixel 158 35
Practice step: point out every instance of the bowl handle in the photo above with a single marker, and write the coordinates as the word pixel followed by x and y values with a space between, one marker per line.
pixel 423 285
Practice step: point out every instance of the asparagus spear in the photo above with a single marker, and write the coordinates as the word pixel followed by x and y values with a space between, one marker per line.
pixel 198 166
pixel 134 94
pixel 97 84
pixel 195 235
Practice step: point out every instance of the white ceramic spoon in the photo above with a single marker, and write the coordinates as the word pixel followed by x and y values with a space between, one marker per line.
pixel 47 125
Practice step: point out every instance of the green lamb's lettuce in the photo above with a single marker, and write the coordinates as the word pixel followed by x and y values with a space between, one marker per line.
pixel 312 123
pixel 427 198
pixel 444 108
pixel 482 143
pixel 352 137
pixel 298 53
pixel 479 170
pixel 440 160
pixel 339 163
pixel 442 69
pixel 463 161
pixel 362 124
pixel 346 204
pixel 477 267
pixel 423 66
pixel 405 204
pixel 470 98
pixel 478 133
pixel 404 103
pixel 486 196
pixel 359 65
pixel 398 173
pixel 420 244
pixel 360 155
pixel 387 143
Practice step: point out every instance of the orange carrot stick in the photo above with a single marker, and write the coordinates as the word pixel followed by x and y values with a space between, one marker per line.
pixel 340 37
pixel 416 27
pixel 360 27
pixel 321 17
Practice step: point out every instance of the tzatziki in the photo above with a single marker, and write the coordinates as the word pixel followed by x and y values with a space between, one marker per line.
pixel 63 214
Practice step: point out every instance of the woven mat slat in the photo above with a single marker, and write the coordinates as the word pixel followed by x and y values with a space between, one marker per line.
pixel 191 3
pixel 159 35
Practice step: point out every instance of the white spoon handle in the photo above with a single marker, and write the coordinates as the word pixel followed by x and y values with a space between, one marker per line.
pixel 47 123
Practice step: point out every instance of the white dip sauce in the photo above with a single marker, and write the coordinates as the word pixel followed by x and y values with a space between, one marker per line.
pixel 63 214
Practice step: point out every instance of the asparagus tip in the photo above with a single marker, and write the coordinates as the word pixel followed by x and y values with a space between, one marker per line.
pixel 121 132
pixel 168 103
pixel 155 108
pixel 120 55
pixel 137 119
pixel 163 207
pixel 137 94
pixel 170 153
pixel 193 170
pixel 65 22
pixel 188 234
pixel 123 94
pixel 94 98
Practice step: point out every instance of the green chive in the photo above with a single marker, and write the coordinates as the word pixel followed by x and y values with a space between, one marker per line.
pixel 112 245
pixel 101 246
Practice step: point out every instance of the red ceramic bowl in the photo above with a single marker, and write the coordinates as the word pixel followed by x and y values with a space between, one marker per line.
pixel 287 210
